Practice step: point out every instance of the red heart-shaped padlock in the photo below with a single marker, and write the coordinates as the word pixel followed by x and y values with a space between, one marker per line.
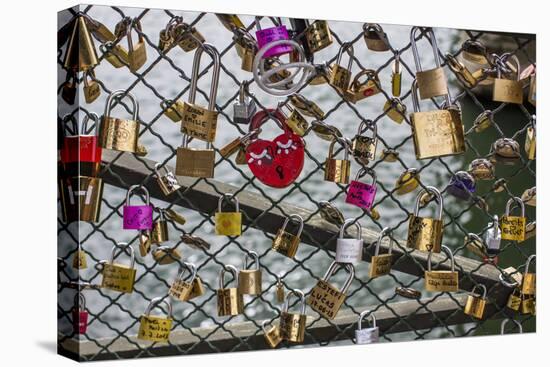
pixel 276 163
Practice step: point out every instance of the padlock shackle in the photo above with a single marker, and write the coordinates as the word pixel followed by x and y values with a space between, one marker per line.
pixel 332 268
pixel 84 127
pixel 277 22
pixel 243 89
pixel 264 324
pixel 135 23
pixel 505 321
pixel 384 233
pixel 109 104
pixel 364 314
pixel 438 199
pixel 366 171
pixel 298 219
pixel 251 255
pixel 348 47
pixel 134 188
pixel 448 252
pixel 496 227
pixel 298 293
pixel 483 294
pixel 351 222
pixel 125 248
pixel 80 301
pixel 371 125
pixel 345 145
pixel 528 263
pixel 223 270
pixel 509 204
pixel 229 198
pixel 69 117
pixel 156 302
pixel 156 169
pixel 414 96
pixel 189 267
pixel 433 42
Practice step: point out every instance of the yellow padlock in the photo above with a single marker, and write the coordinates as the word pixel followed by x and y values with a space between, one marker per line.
pixel 228 223
pixel 513 227
pixel 155 328
pixel 119 277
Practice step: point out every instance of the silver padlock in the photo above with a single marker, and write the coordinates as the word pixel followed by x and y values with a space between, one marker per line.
pixel 368 335
pixel 493 237
pixel 244 107
pixel 349 250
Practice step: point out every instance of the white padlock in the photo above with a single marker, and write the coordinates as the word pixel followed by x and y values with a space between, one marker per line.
pixel 493 238
pixel 349 250
pixel 367 335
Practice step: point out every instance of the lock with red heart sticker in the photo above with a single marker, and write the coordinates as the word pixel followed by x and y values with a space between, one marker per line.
pixel 279 162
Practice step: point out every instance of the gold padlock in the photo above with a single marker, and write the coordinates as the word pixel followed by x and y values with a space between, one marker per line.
pixel 318 35
pixel 246 47
pixel 293 325
pixel 431 83
pixel 514 300
pixel 475 304
pixel 285 242
pixel 173 109
pixel 272 335
pixel 168 183
pixel 408 181
pixel 119 277
pixel 507 90
pixel 506 151
pixel 306 106
pixel 81 198
pixel 529 285
pixel 364 147
pixel 181 287
pixel 436 133
pixel 279 291
pixel 165 255
pixel 325 131
pixel 396 75
pixel 144 242
pixel 381 264
pixel 375 37
pixel 197 290
pixel 461 72
pixel 531 140
pixel 441 280
pixel 340 77
pixel 426 234
pixel 294 119
pixel 80 54
pixel 360 90
pixel 116 55
pixel 532 96
pixel 120 134
pixel 91 87
pixel 230 301
pixel 250 280
pixel 137 54
pixel 527 305
pixel 513 227
pixel 79 259
pixel 228 223
pixel 483 121
pixel 338 170
pixel 188 38
pixel 326 298
pixel 159 234
pixel 155 328
pixel 482 169
pixel 395 110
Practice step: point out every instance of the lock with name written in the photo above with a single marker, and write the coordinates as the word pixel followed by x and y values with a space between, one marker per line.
pixel 244 107
pixel 475 304
pixel 272 334
pixel 270 35
pixel 168 182
pixel 362 194
pixel 155 328
pixel 182 286
pixel 230 300
pixel 433 82
pixel 80 315
pixel 340 77
pixel 364 147
pixel 325 298
pixel 349 250
pixel 137 54
pixel 285 242
pixel 250 280
pixel 199 162
pixel 91 89
pixel 375 37
pixel 529 284
pixel 426 234
pixel 137 216
pixel 507 90
pixel 513 227
pixel 337 170
pixel 381 264
pixel 119 277
pixel 441 280
pixel 493 238
pixel 295 121
pixel 293 325
pixel 367 335
pixel 81 198
pixel 228 223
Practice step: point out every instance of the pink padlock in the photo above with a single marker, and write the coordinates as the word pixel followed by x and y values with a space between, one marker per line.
pixel 80 315
pixel 137 216
pixel 268 35
pixel 362 194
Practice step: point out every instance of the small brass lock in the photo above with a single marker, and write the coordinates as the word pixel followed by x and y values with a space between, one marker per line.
pixel 513 227
pixel 360 90
pixel 116 55
pixel 168 182
pixel 326 298
pixel 395 110
pixel 340 77
pixel 426 234
pixel 514 300
pixel 272 334
pixel 250 280
pixel 507 90
pixel 182 286
pixel 364 147
pixel 165 255
pixel 293 325
pixel 159 234
pixel 483 121
pixel 396 75
pixel 172 109
pixel 318 35
pixel 156 328
pixel 531 140
pixel 230 301
pixel 338 170
pixel 381 264
pixel 375 37
pixel 441 280
pixel 461 72
pixel 91 88
pixel 285 242
pixel 433 82
pixel 137 54
pixel 407 182
pixel 529 284
pixel 475 304
pixel 119 277
pixel 79 260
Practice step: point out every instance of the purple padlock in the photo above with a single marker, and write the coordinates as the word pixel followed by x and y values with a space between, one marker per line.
pixel 462 185
pixel 137 216
pixel 268 35
pixel 362 194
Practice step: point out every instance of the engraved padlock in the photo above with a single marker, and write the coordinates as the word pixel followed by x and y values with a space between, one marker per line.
pixel 156 328
pixel 381 264
pixel 325 298
pixel 293 325
pixel 349 250
pixel 507 90
pixel 362 194
pixel 91 89
pixel 529 284
pixel 441 280
pixel 118 277
pixel 513 227
pixel 285 242
pixel 272 334
pixel 230 301
pixel 270 35
pixel 433 82
pixel 475 304
pixel 462 185
pixel 425 233
pixel 364 147
pixel 182 286
pixel 244 107
pixel 337 170
pixel 228 223
pixel 80 315
pixel 159 234
pixel 168 182
pixel 137 216
pixel 375 37
pixel 340 77
pixel 493 238
pixel 367 335
pixel 250 280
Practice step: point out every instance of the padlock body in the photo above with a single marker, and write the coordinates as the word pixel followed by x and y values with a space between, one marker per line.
pixel 318 35
pixel 529 286
pixel 80 321
pixel 431 83
pixel 461 189
pixel 492 241
pixel 117 57
pixel 199 122
pixel 83 148
pixel 159 234
pixel 292 327
pixel 380 265
pixel 243 111
pixel 530 143
pixel 79 260
pixel 528 305
pixel 375 42
pixel 364 148
pixel 91 91
pixel 514 301
pixel 441 281
pixel 297 123
pixel 81 198
pixel 360 91
pixel 326 299
pixel 425 234
pixel 396 84
pixel 137 217
pixel 395 112
pixel 137 55
pixel 507 91
pixel 513 228
pixel 349 250
pixel 197 290
pixel 250 281
pixel 248 59
pixel 228 223
pixel 367 335
pixel 268 35
pixel 168 183
pixel 118 278
pixel 119 134
pixel 230 302
pixel 154 328
pixel 340 78
pixel 180 290
pixel 273 336
pixel 437 134
pixel 175 111
pixel 165 257
pixel 285 243
pixel 361 194
pixel 337 170
pixel 475 306
pixel 195 162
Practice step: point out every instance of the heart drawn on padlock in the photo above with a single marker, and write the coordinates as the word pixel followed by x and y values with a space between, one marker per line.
pixel 279 162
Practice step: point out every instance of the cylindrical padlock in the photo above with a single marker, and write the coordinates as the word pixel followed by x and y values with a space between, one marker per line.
pixel 362 194
pixel 367 335
pixel 426 234
pixel 269 35
pixel 137 216
pixel 349 250
pixel 156 328
pixel 285 242
pixel 293 325
pixel 250 280
pixel 230 300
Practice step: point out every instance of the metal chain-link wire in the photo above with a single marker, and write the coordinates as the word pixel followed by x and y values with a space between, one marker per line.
pixel 111 312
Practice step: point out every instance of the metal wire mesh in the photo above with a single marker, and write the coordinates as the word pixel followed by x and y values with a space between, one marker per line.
pixel 114 306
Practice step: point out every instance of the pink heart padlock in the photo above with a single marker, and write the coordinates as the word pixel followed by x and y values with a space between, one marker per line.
pixel 362 194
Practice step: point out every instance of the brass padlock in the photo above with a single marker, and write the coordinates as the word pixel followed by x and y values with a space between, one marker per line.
pixel 325 131
pixel 362 89
pixel 531 140
pixel 230 301
pixel 144 242
pixel 426 234
pixel 188 38
pixel 483 121
pixel 326 298
pixel 137 54
pixel 507 90
pixel 375 37
pixel 527 305
pixel 529 196
pixel 513 227
pixel 529 285
pixel 407 182
pixel 514 300
pixel 199 123
pixel 159 234
pixel 81 198
pixel 441 280
pixel 340 77
pixel 338 170
pixel 381 264
pixel 436 133
pixel 116 55
pixel 506 151
pixel 285 242
pixel 250 280
pixel 272 335
pixel 532 96
pixel 79 259
pixel 68 91
pixel 461 72
pixel 182 286
pixel 173 109
pixel 155 328
pixel 396 75
pixel 279 291
pixel 475 304
pixel 197 290
pixel 433 82
pixel 364 147
pixel 318 35
pixel 505 321
pixel 395 110
pixel 120 134
pixel 306 106
pixel 297 123
pixel 91 87
pixel 80 54
pixel 168 182
pixel 165 255
pixel 119 277
pixel 248 47
pixel 293 325
pixel 228 223
pixel 389 155
pixel 482 169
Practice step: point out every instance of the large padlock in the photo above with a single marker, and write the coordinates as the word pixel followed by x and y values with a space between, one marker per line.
pixel 506 151
pixel 361 89
pixel 507 90
pixel 119 277
pixel 362 194
pixel 364 147
pixel 475 304
pixel 293 325
pixel 137 216
pixel 272 334
pixel 137 54
pixel 493 238
pixel 349 250
pixel 155 328
pixel 381 264
pixel 230 301
pixel 375 37
pixel 165 255
pixel 81 198
pixel 326 298
pixel 436 133
pixel 82 149
pixel 80 315
pixel 441 280
pixel 269 35
pixel 120 134
pixel 505 321
pixel 182 286
pixel 159 234
pixel 531 139
pixel 513 227
pixel 340 77
pixel 529 284
pixel 462 185
pixel 433 82
pixel 228 223
pixel 81 53
pixel 250 280
pixel 367 335
pixel 199 122
pixel 337 170
pixel 168 182
pixel 425 233
pixel 244 107
pixel 285 242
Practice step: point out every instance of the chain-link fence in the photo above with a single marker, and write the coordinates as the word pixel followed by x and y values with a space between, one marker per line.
pixel 113 318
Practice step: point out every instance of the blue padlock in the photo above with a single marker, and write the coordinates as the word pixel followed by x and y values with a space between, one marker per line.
pixel 462 185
